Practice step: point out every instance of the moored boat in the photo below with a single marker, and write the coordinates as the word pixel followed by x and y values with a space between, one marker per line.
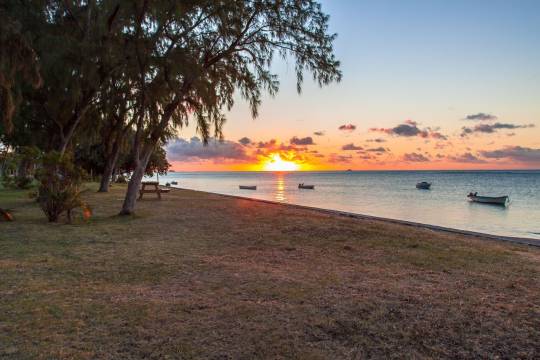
pixel 247 187
pixel 424 185
pixel 304 186
pixel 174 182
pixel 495 200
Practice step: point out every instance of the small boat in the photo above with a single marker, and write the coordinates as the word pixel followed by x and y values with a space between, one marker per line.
pixel 246 187
pixel 495 200
pixel 424 185
pixel 307 187
pixel 168 184
pixel 174 182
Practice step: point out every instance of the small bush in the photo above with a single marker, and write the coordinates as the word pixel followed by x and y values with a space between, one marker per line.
pixel 8 182
pixel 59 186
pixel 23 182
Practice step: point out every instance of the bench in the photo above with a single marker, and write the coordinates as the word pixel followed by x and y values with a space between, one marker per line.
pixel 155 189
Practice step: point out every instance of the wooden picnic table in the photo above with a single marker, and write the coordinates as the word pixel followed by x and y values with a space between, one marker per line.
pixel 154 185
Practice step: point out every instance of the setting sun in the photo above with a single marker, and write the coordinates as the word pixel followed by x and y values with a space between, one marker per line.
pixel 276 163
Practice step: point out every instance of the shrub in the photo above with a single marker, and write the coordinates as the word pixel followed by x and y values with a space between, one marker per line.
pixel 22 163
pixel 59 187
pixel 8 181
pixel 23 182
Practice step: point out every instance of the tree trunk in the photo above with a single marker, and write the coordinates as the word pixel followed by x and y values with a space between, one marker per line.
pixel 128 208
pixel 109 168
pixel 22 168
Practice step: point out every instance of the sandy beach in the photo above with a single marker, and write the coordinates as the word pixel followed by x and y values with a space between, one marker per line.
pixel 212 276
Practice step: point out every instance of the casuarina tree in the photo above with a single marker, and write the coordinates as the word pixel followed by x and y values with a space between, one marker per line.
pixel 188 59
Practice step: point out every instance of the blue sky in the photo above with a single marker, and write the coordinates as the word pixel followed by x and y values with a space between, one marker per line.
pixel 434 62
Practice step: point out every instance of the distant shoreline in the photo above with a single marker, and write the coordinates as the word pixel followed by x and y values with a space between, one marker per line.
pixel 475 234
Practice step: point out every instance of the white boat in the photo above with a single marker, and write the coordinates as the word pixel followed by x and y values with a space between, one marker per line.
pixel 423 185
pixel 246 187
pixel 307 187
pixel 496 200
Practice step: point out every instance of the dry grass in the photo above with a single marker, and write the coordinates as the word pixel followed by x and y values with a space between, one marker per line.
pixel 203 276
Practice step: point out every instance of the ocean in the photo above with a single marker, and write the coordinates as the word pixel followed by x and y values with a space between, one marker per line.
pixel 392 194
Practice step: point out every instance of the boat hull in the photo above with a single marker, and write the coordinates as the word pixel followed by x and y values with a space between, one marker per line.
pixel 498 200
pixel 242 187
pixel 306 187
pixel 423 186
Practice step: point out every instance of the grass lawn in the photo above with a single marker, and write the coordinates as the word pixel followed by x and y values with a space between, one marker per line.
pixel 204 276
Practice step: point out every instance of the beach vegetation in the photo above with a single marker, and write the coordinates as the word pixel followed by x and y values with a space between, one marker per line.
pixel 126 76
pixel 59 189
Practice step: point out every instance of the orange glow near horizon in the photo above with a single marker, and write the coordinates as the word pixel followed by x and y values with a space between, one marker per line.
pixel 276 163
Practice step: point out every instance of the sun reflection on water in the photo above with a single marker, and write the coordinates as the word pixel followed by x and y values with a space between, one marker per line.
pixel 279 193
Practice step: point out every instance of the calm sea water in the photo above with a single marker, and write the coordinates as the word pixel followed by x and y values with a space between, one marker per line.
pixel 392 194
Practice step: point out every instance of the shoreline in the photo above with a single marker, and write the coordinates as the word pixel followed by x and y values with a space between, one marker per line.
pixel 485 236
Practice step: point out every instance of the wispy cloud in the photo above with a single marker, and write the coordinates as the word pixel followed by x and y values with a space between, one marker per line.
pixel 481 117
pixel 337 158
pixel 414 157
pixel 410 129
pixel 379 149
pixel 350 147
pixel 347 127
pixel 194 150
pixel 267 144
pixel 377 140
pixel 302 141
pixel 466 158
pixel 491 128
pixel 515 153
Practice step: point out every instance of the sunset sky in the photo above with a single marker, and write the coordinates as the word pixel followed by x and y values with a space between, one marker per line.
pixel 427 84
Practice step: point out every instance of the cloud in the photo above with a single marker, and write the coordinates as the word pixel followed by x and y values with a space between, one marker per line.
pixel 414 157
pixel 378 150
pixel 336 158
pixel 351 146
pixel 245 141
pixel 302 141
pixel 491 128
pixel 267 144
pixel 481 117
pixel 347 127
pixel 515 153
pixel 194 150
pixel 319 133
pixel 466 158
pixel 409 129
pixel 377 140
pixel 366 157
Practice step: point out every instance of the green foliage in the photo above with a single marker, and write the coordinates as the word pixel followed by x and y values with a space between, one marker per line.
pixel 20 162
pixel 18 66
pixel 194 57
pixel 22 182
pixel 156 164
pixel 113 66
pixel 59 186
